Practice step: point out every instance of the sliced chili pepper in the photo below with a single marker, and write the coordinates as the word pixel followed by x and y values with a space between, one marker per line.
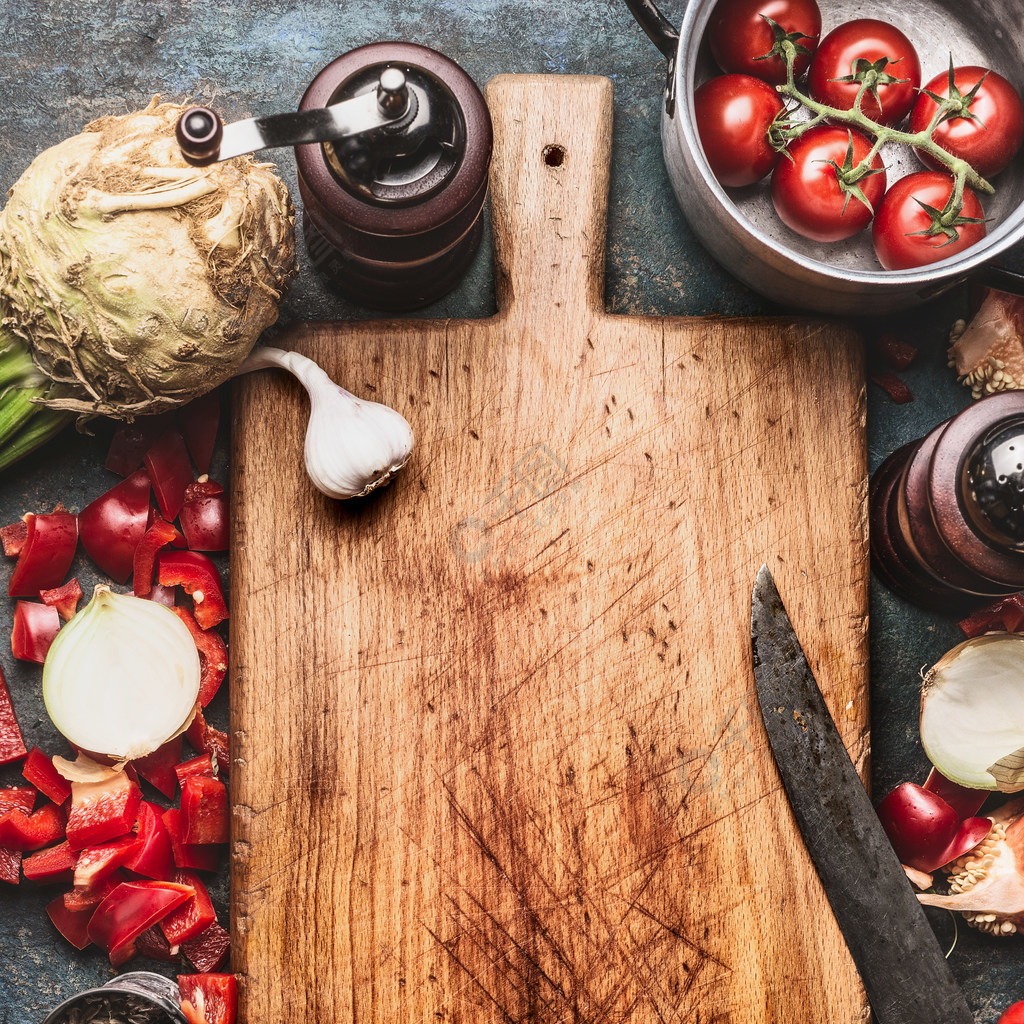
pixel 199 576
pixel 192 858
pixel 158 768
pixel 194 916
pixel 198 423
pixel 13 537
pixel 12 746
pixel 17 798
pixel 153 944
pixel 64 598
pixel 204 811
pixel 46 555
pixel 893 387
pixel 35 627
pixel 98 862
pixel 155 858
pixel 21 831
pixel 201 765
pixel 102 810
pixel 209 951
pixel 209 998
pixel 170 470
pixel 159 535
pixel 213 656
pixel 79 899
pixel 54 864
pixel 10 862
pixel 112 525
pixel 129 910
pixel 39 770
pixel 72 924
pixel 899 354
pixel 1005 614
pixel 205 518
pixel 208 740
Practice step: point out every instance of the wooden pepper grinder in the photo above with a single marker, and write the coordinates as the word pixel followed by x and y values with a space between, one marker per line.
pixel 947 511
pixel 393 147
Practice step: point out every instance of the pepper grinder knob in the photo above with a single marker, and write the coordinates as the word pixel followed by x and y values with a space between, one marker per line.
pixel 199 132
pixel 392 93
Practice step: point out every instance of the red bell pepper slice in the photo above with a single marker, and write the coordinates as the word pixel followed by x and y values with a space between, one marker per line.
pixel 209 951
pixel 198 422
pixel 54 864
pixel 131 441
pixel 65 598
pixel 12 746
pixel 20 798
pixel 159 535
pixel 199 576
pixel 213 656
pixel 188 856
pixel 202 765
pixel 170 470
pixel 208 740
pixel 72 924
pixel 153 945
pixel 158 768
pixel 205 518
pixel 112 525
pixel 209 998
pixel 1005 614
pixel 129 910
pixel 21 831
pixel 194 916
pixel 39 770
pixel 205 817
pixel 10 861
pixel 155 858
pixel 35 627
pixel 79 899
pixel 46 555
pixel 13 537
pixel 98 862
pixel 101 811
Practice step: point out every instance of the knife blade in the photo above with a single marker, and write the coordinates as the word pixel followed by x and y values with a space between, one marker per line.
pixel 905 975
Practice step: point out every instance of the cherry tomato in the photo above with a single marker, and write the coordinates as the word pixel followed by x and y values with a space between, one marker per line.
pixel 1012 1014
pixel 733 114
pixel 901 220
pixel 989 138
pixel 739 35
pixel 806 190
pixel 848 51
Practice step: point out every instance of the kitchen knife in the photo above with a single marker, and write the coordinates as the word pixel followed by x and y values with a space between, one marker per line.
pixel 905 975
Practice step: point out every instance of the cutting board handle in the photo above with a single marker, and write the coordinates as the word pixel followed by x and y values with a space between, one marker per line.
pixel 549 194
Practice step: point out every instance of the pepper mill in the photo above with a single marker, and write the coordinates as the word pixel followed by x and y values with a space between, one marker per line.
pixel 947 511
pixel 393 147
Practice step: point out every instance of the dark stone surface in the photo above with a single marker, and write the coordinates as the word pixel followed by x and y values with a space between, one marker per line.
pixel 64 64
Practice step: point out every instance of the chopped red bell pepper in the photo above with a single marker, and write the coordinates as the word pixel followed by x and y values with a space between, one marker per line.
pixel 39 770
pixel 194 916
pixel 13 537
pixel 199 576
pixel 65 598
pixel 209 951
pixel 205 817
pixel 112 525
pixel 102 810
pixel 46 555
pixel 54 864
pixel 72 924
pixel 10 861
pixel 190 857
pixel 894 387
pixel 158 768
pixel 205 519
pixel 213 656
pixel 155 858
pixel 198 423
pixel 12 746
pixel 159 535
pixel 20 798
pixel 98 862
pixel 897 352
pixel 79 899
pixel 129 910
pixel 201 765
pixel 170 470
pixel 1005 614
pixel 208 740
pixel 153 944
pixel 178 540
pixel 35 628
pixel 21 831
pixel 209 998
pixel 131 441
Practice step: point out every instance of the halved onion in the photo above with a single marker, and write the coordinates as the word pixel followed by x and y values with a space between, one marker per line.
pixel 972 713
pixel 122 677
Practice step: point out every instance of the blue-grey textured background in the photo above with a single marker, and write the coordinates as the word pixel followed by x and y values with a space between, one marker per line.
pixel 63 64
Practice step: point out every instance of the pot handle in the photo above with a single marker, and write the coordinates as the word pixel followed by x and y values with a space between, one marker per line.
pixel 1000 278
pixel 660 31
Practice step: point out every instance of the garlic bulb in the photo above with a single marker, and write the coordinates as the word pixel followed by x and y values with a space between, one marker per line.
pixel 122 677
pixel 352 446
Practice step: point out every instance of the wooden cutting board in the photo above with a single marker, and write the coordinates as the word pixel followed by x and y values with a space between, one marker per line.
pixel 496 751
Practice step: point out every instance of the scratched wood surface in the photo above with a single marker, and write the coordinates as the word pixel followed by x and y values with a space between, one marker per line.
pixel 497 752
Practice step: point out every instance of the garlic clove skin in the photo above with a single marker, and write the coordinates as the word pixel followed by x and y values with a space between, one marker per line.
pixel 352 446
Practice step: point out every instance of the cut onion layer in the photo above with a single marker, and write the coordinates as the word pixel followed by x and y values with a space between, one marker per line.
pixel 122 677
pixel 972 713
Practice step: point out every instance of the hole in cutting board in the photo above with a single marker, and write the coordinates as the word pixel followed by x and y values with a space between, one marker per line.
pixel 554 156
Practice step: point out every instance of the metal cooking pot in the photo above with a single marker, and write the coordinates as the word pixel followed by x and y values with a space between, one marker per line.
pixel 739 226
